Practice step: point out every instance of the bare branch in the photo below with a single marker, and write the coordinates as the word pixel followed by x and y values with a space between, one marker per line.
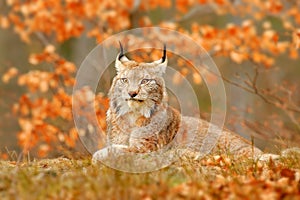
pixel 136 6
pixel 42 38
pixel 251 87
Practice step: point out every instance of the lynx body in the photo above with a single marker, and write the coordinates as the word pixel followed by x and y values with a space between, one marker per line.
pixel 140 119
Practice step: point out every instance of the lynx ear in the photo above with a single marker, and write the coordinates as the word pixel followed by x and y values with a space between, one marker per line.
pixel 120 59
pixel 162 63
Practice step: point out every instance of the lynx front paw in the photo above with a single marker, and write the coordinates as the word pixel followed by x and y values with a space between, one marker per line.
pixel 109 152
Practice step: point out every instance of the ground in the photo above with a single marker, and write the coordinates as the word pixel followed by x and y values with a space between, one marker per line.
pixel 213 177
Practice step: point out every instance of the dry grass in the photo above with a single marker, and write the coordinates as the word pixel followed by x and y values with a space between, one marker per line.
pixel 214 177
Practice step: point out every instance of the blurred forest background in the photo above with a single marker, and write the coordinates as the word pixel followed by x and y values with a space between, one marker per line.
pixel 254 43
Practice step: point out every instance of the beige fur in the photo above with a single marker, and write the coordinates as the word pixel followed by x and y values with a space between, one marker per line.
pixel 146 123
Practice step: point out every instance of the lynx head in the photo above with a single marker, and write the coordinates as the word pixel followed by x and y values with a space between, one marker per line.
pixel 138 88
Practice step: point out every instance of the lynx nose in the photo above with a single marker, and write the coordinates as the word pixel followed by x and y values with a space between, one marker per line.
pixel 132 94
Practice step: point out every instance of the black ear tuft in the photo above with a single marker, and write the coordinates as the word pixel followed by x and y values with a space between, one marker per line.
pixel 164 54
pixel 121 51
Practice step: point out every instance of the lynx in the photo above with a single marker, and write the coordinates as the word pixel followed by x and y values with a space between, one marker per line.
pixel 140 120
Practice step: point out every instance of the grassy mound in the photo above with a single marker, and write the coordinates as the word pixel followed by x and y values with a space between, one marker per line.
pixel 213 177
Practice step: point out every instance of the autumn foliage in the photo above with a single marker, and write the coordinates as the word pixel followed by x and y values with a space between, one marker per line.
pixel 45 110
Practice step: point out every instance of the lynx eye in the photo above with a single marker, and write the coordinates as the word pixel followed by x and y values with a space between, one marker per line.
pixel 145 81
pixel 124 80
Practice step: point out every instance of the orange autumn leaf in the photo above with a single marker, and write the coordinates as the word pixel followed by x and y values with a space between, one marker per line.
pixel 177 78
pixel 4 156
pixel 274 6
pixel 182 5
pixel 296 39
pixel 220 2
pixel 293 53
pixel 184 71
pixel 202 1
pixel 4 22
pixel 197 79
pixel 11 73
pixel 237 57
pixel 49 48
pixel 43 150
